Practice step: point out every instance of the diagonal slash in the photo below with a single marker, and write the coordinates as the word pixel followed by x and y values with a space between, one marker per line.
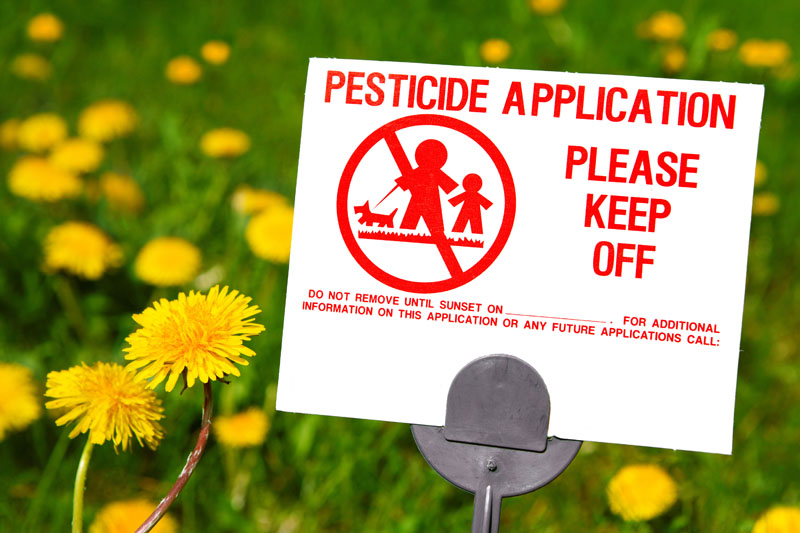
pixel 398 153
pixel 439 238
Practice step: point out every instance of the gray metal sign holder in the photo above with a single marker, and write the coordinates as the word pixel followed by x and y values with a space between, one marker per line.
pixel 494 442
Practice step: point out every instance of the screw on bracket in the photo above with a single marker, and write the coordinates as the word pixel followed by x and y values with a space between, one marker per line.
pixel 491 465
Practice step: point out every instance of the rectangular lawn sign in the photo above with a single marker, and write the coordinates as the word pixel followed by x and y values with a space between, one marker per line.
pixel 595 226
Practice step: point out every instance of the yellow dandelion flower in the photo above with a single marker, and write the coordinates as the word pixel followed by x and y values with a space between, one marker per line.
pixel 663 26
pixel 121 192
pixel 765 204
pixel 197 334
pixel 215 52
pixel 106 120
pixel 80 248
pixel 107 402
pixel 8 134
pixel 77 155
pixel 722 40
pixel 780 519
pixel 247 200
pixel 19 400
pixel 35 178
pixel 761 174
pixel 641 492
pixel 546 7
pixel 127 515
pixel 45 28
pixel 674 59
pixel 168 261
pixel 242 430
pixel 41 132
pixel 31 67
pixel 758 53
pixel 225 142
pixel 269 233
pixel 495 51
pixel 183 70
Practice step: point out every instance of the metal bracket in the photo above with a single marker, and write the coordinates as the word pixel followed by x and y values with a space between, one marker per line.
pixel 494 442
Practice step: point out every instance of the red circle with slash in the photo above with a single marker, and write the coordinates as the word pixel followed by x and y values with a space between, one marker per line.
pixel 460 278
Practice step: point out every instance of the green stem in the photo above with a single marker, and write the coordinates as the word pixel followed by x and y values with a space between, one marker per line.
pixel 229 464
pixel 256 275
pixel 218 188
pixel 270 397
pixel 236 250
pixel 45 481
pixel 118 157
pixel 80 485
pixel 269 283
pixel 66 295
pixel 242 480
pixel 559 30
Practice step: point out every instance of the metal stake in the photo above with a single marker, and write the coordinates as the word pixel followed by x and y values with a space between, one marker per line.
pixel 494 442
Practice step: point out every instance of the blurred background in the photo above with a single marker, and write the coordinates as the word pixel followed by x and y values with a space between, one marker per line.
pixel 151 148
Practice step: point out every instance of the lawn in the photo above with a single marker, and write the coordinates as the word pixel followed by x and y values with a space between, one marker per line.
pixel 312 473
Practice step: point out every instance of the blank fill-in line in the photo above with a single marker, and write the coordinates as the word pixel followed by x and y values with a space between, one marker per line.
pixel 559 318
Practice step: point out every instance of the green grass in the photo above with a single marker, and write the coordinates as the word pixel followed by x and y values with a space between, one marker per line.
pixel 330 474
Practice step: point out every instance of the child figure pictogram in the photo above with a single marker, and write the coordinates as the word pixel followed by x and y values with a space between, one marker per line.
pixel 473 202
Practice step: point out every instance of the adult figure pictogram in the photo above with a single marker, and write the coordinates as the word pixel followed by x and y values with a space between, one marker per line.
pixel 424 183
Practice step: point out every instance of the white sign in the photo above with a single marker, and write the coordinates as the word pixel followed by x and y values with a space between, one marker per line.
pixel 594 226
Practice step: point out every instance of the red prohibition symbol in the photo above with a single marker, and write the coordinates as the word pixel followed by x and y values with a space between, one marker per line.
pixel 425 182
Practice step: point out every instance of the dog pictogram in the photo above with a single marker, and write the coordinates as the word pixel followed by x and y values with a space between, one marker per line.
pixel 368 218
